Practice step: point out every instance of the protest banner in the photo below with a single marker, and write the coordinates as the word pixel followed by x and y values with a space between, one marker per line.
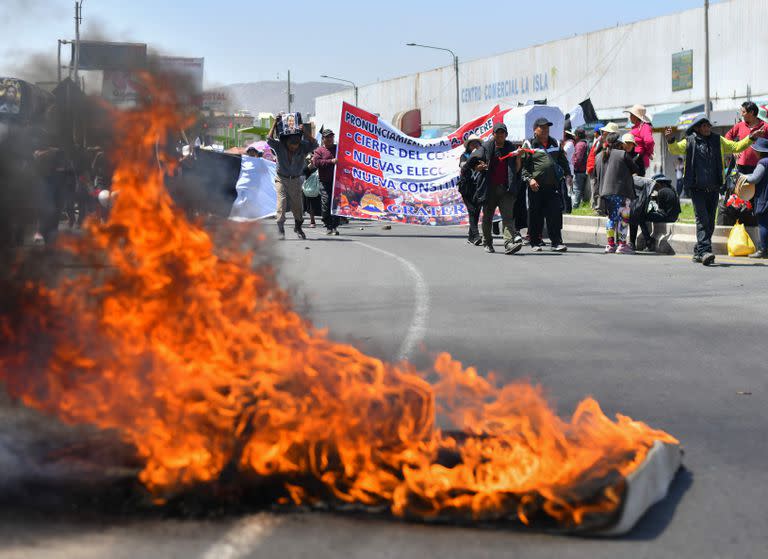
pixel 385 175
pixel 256 195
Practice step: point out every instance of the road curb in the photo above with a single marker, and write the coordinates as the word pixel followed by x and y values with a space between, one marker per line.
pixel 673 238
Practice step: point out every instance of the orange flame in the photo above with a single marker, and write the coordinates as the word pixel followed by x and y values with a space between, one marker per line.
pixel 199 361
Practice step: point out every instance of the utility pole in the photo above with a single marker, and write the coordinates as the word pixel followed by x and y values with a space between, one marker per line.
pixel 707 101
pixel 78 21
pixel 458 106
pixel 290 96
pixel 58 65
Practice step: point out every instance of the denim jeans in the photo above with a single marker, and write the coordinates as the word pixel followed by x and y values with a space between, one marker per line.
pixel 579 189
pixel 705 208
pixel 762 227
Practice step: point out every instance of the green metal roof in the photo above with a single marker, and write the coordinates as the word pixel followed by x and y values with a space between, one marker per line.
pixel 670 117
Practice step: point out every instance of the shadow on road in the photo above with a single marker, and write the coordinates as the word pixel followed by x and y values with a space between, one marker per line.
pixel 327 239
pixel 733 265
pixel 656 519
pixel 364 234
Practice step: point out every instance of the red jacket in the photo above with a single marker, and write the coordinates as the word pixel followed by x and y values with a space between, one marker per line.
pixel 644 142
pixel 740 130
pixel 591 159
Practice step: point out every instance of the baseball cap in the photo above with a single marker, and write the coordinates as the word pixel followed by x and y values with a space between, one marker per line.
pixel 499 126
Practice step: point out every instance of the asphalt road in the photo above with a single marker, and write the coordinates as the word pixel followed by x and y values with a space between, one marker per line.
pixel 658 338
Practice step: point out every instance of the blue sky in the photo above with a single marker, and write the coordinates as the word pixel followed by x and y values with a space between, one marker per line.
pixel 357 40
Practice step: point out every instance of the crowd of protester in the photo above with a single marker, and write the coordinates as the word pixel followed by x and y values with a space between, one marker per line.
pixel 542 179
pixel 526 185
pixel 69 183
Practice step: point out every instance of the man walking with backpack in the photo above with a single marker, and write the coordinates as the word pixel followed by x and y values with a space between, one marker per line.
pixel 544 168
pixel 704 154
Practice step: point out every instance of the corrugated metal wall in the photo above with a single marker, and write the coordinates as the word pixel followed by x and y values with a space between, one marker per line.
pixel 616 67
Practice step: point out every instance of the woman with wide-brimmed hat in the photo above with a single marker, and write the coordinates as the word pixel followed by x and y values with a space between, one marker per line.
pixel 643 134
pixel 759 177
pixel 630 146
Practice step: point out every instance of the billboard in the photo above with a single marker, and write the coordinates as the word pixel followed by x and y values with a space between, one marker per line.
pixel 186 75
pixel 101 55
pixel 189 69
pixel 682 70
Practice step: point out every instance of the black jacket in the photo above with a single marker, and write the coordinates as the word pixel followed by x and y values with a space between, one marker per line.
pixel 694 159
pixel 665 209
pixel 468 182
pixel 485 153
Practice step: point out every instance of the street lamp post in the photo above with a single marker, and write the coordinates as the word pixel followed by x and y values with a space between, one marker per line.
pixel 78 21
pixel 707 100
pixel 456 71
pixel 342 80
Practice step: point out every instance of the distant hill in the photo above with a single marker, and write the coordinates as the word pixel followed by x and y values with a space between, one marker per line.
pixel 272 96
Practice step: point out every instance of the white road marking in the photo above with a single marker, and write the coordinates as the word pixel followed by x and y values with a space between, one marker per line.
pixel 243 537
pixel 418 327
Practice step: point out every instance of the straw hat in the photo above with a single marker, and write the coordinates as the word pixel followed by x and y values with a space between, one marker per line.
pixel 472 138
pixel 743 189
pixel 628 138
pixel 611 128
pixel 639 111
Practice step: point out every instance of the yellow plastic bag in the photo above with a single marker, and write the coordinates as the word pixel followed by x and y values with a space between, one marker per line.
pixel 739 241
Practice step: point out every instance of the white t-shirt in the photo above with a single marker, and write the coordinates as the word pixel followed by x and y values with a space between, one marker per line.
pixel 569 147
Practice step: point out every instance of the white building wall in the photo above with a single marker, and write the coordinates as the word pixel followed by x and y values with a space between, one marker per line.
pixel 615 67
